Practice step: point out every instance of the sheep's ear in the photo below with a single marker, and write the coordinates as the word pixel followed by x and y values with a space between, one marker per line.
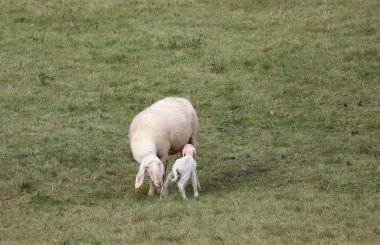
pixel 140 176
pixel 195 152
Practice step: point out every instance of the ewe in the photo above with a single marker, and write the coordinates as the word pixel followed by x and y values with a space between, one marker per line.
pixel 161 129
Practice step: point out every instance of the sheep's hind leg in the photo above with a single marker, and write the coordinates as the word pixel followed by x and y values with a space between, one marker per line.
pixel 194 139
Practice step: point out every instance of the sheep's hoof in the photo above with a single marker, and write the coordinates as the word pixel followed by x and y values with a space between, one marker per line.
pixel 164 194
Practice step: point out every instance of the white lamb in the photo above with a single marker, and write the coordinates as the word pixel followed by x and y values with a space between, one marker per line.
pixel 187 168
pixel 161 129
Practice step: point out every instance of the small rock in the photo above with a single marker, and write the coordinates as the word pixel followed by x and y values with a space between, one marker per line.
pixel 244 167
pixel 360 103
pixel 355 132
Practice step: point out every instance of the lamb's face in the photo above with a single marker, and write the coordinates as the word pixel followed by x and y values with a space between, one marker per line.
pixel 155 169
pixel 189 150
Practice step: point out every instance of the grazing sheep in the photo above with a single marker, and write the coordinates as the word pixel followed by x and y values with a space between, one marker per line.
pixel 161 129
pixel 187 168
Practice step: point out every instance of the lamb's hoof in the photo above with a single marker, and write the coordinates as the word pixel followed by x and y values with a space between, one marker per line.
pixel 150 193
pixel 196 195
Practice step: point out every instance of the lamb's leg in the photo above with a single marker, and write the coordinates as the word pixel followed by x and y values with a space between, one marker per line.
pixel 182 184
pixel 194 183
pixel 198 184
pixel 164 189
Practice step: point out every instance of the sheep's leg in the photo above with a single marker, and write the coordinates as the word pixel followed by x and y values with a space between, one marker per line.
pixel 151 188
pixel 194 139
pixel 194 183
pixel 182 184
pixel 164 189
pixel 164 161
pixel 168 180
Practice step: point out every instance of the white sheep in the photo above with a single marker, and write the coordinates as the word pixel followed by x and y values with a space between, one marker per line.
pixel 187 168
pixel 161 129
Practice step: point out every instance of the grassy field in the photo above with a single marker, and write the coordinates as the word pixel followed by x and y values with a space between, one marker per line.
pixel 288 89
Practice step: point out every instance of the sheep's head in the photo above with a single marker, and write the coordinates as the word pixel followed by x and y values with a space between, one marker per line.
pixel 155 169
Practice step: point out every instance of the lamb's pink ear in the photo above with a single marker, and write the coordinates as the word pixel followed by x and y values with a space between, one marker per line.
pixel 140 175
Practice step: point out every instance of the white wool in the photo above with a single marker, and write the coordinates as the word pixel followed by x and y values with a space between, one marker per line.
pixel 161 129
pixel 186 167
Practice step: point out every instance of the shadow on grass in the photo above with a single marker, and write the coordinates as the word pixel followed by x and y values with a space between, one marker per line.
pixel 235 176
pixel 228 175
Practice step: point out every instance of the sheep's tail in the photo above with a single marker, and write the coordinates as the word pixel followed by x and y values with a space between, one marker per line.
pixel 174 170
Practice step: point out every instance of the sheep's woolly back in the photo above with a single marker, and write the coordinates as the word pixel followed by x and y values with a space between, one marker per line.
pixel 163 128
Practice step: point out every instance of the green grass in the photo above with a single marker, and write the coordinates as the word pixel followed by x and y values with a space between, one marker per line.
pixel 289 88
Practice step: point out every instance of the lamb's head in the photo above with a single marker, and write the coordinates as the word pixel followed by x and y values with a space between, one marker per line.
pixel 189 150
pixel 155 169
